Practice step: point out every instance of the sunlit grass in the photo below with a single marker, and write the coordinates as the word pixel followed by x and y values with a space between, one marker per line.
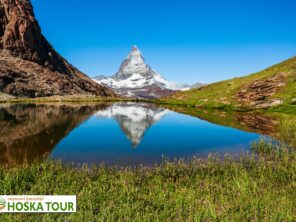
pixel 287 131
pixel 255 188
pixel 223 94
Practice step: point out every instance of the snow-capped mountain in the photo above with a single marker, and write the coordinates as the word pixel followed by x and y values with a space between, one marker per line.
pixel 137 79
pixel 133 118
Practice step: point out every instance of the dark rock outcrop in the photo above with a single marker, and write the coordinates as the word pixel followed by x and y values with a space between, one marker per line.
pixel 29 66
pixel 259 92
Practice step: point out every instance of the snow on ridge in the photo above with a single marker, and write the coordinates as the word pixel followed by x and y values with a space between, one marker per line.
pixel 135 74
pixel 136 80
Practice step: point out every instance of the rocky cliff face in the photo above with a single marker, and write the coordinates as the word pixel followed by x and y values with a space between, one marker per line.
pixel 29 66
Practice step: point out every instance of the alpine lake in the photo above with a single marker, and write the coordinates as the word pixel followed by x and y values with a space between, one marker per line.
pixel 125 133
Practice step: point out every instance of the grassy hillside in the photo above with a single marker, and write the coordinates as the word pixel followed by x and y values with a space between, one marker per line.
pixel 225 93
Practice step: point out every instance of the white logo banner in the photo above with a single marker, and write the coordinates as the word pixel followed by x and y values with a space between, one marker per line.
pixel 37 204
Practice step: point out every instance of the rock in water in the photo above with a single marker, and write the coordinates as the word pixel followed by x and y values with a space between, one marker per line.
pixel 29 66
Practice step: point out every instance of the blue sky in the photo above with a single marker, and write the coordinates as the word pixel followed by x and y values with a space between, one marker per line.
pixel 184 40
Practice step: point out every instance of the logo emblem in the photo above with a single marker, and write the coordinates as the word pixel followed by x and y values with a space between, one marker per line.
pixel 2 203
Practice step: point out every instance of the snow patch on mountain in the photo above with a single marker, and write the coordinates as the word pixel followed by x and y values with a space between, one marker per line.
pixel 134 81
pixel 137 79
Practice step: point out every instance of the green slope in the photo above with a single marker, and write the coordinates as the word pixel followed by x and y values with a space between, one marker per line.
pixel 223 94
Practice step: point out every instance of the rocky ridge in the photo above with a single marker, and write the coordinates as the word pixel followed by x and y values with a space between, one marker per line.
pixel 29 66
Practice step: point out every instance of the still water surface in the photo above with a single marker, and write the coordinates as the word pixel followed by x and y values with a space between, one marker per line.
pixel 124 134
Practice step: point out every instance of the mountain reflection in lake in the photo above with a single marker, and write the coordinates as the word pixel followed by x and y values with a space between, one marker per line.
pixel 134 119
pixel 123 134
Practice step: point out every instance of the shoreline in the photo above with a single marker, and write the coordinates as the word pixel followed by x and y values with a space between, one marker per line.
pixel 288 109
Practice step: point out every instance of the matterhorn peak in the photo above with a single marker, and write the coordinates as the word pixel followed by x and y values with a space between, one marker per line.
pixel 137 79
pixel 135 56
pixel 135 48
pixel 135 51
pixel 133 64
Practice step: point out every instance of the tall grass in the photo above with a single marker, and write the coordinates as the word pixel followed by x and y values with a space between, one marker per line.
pixel 287 131
pixel 254 188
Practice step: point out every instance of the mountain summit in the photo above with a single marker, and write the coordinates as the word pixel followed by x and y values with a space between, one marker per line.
pixel 29 66
pixel 137 79
pixel 133 64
